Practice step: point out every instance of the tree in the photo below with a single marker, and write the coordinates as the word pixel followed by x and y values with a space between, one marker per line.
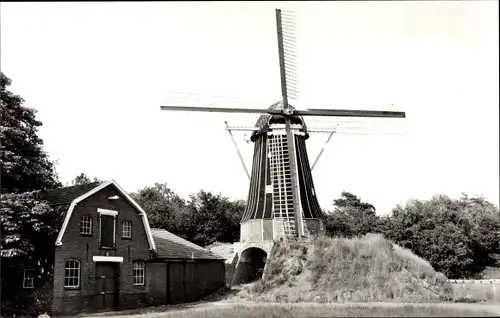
pixel 351 217
pixel 29 230
pixel 484 219
pixel 233 212
pixel 458 237
pixel 25 166
pixel 162 205
pixel 82 178
pixel 210 218
pixel 337 224
pixel 27 223
pixel 349 200
pixel 203 219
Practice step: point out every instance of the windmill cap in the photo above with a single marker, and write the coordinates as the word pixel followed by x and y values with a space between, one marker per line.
pixel 266 120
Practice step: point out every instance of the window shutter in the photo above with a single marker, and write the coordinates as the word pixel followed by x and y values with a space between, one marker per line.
pixel 107 230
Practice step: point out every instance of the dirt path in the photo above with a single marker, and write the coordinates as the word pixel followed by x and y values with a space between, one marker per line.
pixel 494 308
pixel 202 306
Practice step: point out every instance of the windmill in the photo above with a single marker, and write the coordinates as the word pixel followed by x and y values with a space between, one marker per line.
pixel 282 202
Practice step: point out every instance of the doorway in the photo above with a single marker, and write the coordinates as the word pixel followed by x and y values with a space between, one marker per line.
pixel 251 265
pixel 107 286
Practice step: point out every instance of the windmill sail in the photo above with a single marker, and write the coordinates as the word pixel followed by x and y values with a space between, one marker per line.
pixel 292 221
pixel 289 43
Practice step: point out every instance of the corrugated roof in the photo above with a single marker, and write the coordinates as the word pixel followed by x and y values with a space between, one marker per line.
pixel 169 245
pixel 67 194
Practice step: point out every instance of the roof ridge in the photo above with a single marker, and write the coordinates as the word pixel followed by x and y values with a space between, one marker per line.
pixel 78 185
pixel 188 247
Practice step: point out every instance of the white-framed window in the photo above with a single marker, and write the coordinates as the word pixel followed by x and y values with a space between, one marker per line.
pixel 29 278
pixel 127 229
pixel 139 271
pixel 86 225
pixel 72 273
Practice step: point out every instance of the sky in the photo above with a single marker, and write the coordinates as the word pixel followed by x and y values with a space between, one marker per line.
pixel 98 73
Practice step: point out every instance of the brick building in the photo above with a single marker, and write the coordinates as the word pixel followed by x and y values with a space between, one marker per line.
pixel 106 256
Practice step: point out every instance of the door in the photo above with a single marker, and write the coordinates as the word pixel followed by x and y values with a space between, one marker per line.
pixel 191 286
pixel 176 283
pixel 106 280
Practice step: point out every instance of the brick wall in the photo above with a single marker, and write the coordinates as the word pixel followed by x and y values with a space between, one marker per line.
pixel 83 248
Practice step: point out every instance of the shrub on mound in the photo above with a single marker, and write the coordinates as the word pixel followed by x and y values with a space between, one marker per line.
pixel 369 268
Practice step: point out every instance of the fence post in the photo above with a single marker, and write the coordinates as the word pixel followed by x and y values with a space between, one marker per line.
pixel 494 291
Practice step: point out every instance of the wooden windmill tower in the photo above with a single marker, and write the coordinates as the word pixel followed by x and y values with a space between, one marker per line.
pixel 282 202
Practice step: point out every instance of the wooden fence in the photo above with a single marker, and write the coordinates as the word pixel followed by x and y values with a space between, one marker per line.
pixel 479 289
pixel 475 281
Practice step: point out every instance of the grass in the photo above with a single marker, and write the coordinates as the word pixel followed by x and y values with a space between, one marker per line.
pixel 364 269
pixel 326 310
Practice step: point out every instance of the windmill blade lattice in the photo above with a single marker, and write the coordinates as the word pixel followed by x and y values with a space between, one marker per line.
pixel 289 31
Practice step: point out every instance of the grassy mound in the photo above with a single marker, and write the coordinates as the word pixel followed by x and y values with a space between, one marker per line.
pixel 324 269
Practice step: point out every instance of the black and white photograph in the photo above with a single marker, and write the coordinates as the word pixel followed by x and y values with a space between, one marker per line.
pixel 250 159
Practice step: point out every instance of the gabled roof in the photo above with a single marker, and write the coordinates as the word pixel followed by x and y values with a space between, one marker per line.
pixel 66 195
pixel 171 246
pixel 78 193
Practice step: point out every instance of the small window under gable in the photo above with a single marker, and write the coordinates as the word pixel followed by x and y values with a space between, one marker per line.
pixel 86 225
pixel 127 229
pixel 29 278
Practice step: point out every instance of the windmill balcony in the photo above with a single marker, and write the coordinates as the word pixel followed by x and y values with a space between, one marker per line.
pixel 258 230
